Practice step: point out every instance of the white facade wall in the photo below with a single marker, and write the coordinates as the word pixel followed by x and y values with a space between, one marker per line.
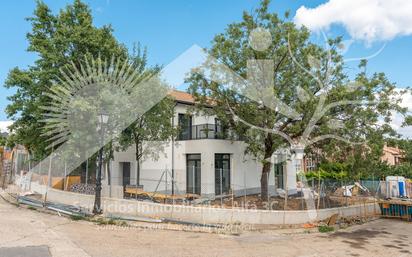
pixel 244 176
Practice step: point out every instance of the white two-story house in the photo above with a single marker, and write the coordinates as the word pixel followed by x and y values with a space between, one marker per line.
pixel 202 160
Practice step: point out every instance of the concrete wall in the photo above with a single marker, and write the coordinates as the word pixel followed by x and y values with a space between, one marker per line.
pixel 207 215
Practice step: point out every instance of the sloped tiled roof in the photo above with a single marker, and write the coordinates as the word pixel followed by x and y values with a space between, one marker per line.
pixel 186 98
pixel 393 150
pixel 182 97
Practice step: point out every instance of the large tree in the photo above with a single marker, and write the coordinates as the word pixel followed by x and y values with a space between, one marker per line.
pixel 302 96
pixel 57 40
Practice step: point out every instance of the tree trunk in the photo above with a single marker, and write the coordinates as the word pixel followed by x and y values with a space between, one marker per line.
pixel 267 164
pixel 264 183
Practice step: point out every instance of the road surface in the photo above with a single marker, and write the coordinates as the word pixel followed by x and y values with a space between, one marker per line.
pixel 25 232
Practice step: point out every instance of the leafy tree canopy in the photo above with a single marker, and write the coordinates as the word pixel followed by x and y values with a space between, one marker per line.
pixel 58 40
pixel 308 79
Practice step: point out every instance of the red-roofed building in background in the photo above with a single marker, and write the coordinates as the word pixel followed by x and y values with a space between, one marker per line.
pixel 392 155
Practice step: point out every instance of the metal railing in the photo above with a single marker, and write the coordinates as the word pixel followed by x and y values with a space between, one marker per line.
pixel 207 131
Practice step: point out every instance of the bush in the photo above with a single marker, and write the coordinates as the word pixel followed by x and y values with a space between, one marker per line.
pixel 335 171
pixel 326 229
pixel 76 217
pixel 376 170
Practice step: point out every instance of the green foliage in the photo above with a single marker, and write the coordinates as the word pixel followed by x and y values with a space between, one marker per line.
pixel 299 90
pixel 334 167
pixel 149 132
pixel 3 141
pixel 383 170
pixel 325 229
pixel 57 40
pixel 103 221
pixel 76 217
pixel 330 170
pixel 153 127
pixel 375 171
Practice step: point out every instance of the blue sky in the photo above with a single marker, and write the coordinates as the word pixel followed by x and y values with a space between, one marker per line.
pixel 168 28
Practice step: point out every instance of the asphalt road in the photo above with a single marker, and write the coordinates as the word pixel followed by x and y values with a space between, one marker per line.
pixel 26 232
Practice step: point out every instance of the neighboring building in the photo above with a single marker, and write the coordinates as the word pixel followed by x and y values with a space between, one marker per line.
pixel 392 155
pixel 206 159
pixel 14 161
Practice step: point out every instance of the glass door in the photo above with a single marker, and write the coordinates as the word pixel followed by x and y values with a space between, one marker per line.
pixel 193 174
pixel 222 174
pixel 279 175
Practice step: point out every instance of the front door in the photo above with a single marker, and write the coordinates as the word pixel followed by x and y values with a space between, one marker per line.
pixel 222 174
pixel 193 174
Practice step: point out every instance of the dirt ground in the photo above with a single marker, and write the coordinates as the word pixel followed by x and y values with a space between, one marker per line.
pixel 21 227
pixel 293 202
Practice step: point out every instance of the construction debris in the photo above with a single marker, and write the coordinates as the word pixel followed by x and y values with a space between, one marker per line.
pixel 332 220
pixel 351 190
pixel 87 189
pixel 59 208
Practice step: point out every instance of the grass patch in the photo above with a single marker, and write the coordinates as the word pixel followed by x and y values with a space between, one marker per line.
pixel 31 208
pixel 102 221
pixel 111 222
pixel 115 222
pixel 123 223
pixel 326 229
pixel 76 217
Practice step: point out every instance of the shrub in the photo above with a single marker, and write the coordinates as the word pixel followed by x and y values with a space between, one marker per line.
pixel 325 229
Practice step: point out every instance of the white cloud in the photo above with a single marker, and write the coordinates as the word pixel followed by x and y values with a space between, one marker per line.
pixel 4 126
pixel 367 20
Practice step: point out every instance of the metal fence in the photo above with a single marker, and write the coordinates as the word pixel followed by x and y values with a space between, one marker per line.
pixel 221 188
pixel 190 188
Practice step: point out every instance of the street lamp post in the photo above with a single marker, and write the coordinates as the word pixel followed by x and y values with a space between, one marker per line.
pixel 103 119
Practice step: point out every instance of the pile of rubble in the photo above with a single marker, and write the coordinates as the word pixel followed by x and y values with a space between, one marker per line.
pixel 83 189
pixel 352 190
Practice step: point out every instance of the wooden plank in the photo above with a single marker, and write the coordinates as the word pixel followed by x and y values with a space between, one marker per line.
pixel 137 191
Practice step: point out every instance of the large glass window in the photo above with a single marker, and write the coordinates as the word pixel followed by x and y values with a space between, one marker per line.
pixel 193 174
pixel 185 126
pixel 222 174
pixel 221 131
pixel 279 180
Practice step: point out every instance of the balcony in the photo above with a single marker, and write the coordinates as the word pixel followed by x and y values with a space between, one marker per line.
pixel 206 131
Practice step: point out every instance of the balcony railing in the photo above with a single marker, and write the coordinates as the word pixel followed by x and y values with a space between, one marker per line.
pixel 206 131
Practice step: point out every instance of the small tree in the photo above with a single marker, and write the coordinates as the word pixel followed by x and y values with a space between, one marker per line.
pixel 150 132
